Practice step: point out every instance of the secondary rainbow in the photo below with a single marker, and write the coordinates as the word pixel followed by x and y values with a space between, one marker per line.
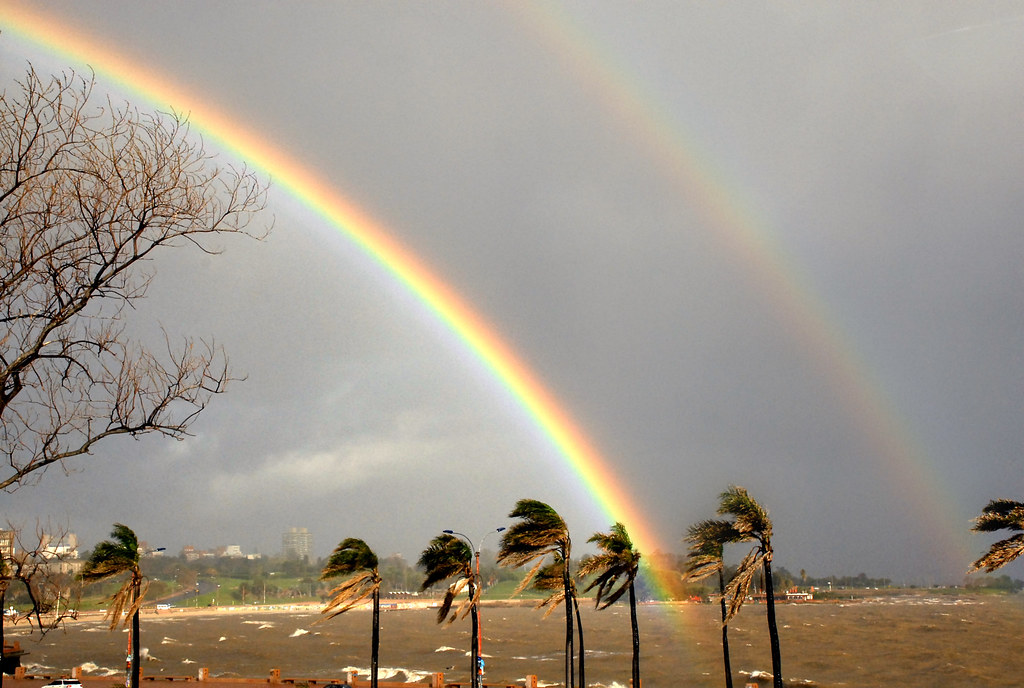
pixel 751 240
pixel 365 232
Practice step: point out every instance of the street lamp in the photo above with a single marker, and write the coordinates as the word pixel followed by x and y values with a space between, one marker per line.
pixel 478 632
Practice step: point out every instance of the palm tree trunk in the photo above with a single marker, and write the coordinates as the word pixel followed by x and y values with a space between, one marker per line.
pixel 135 649
pixel 636 635
pixel 375 638
pixel 725 630
pixel 570 670
pixel 474 658
pixel 579 628
pixel 773 629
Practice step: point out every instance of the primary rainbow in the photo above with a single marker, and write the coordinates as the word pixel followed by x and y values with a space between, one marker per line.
pixel 364 231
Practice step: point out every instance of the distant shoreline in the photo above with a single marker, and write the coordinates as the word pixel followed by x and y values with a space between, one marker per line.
pixel 387 605
pixel 406 604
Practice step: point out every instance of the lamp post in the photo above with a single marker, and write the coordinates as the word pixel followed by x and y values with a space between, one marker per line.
pixel 477 669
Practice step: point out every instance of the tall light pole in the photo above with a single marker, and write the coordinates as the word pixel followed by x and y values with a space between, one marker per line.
pixel 477 670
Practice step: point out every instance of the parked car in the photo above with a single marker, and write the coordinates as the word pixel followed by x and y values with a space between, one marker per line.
pixel 64 683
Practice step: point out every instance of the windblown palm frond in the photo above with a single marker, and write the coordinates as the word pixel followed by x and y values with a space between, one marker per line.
pixel 539 532
pixel 749 518
pixel 616 566
pixel 738 587
pixel 449 557
pixel 707 541
pixel 550 578
pixel 111 558
pixel 351 592
pixel 352 558
pixel 1000 514
pixel 351 555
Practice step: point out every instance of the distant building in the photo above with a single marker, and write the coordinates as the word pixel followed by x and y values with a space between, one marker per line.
pixel 297 543
pixel 6 543
pixel 60 553
pixel 64 547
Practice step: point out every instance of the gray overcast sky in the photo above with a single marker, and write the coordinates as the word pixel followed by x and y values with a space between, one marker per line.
pixel 773 245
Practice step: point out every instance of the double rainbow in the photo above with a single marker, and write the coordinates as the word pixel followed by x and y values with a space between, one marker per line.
pixel 744 236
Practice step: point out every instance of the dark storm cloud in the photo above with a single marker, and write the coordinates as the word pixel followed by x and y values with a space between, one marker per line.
pixel 877 149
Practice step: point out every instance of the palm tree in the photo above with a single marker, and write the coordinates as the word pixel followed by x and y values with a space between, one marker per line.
pixel 540 532
pixel 551 579
pixel 111 558
pixel 449 557
pixel 616 568
pixel 353 558
pixel 707 540
pixel 751 523
pixel 1000 514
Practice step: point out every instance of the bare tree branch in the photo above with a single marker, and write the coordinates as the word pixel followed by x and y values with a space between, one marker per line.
pixel 89 195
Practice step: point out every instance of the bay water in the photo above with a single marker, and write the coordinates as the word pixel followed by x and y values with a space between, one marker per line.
pixel 906 641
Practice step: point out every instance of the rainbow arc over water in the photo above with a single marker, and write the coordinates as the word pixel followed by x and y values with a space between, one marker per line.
pixel 360 228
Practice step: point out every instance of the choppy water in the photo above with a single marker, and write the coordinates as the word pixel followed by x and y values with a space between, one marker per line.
pixel 905 642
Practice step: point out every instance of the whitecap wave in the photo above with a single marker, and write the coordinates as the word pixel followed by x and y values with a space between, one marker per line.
pixel 297 632
pixel 92 669
pixel 757 675
pixel 446 648
pixel 33 668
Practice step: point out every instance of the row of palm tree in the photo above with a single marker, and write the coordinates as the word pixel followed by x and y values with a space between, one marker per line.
pixel 539 538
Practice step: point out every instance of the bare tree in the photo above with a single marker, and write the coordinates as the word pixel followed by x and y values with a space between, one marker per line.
pixel 90 193
pixel 37 572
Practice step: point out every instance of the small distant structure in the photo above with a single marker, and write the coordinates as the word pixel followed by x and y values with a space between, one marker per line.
pixel 297 543
pixel 795 595
pixel 7 544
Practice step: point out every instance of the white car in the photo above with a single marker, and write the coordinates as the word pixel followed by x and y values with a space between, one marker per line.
pixel 64 683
